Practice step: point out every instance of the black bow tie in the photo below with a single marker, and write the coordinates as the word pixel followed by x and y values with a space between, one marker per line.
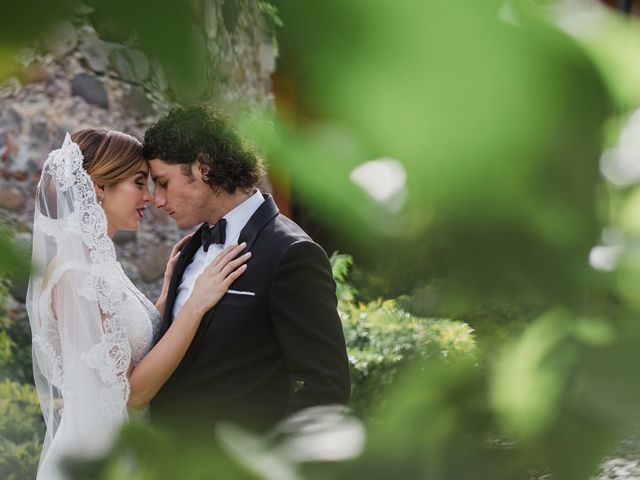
pixel 215 234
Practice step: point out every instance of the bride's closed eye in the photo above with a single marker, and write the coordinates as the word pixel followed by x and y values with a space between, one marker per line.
pixel 141 180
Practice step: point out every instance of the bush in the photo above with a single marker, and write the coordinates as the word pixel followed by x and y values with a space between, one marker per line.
pixel 494 321
pixel 15 342
pixel 21 423
pixel 382 338
pixel 15 349
pixel 21 430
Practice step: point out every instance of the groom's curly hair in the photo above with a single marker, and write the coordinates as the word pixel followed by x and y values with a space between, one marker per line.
pixel 203 134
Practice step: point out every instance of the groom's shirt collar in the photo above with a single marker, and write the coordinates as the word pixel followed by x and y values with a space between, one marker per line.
pixel 239 216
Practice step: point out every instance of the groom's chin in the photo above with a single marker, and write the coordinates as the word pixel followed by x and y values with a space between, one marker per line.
pixel 184 223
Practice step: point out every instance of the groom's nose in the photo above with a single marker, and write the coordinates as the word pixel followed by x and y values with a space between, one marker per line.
pixel 158 199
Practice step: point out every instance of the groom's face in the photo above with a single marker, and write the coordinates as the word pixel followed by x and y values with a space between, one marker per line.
pixel 184 197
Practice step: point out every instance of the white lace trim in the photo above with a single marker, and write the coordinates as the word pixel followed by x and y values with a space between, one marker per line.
pixel 112 355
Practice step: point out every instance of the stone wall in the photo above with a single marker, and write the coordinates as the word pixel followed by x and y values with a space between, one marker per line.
pixel 75 78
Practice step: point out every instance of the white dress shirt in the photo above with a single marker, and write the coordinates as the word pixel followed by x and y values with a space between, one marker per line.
pixel 236 220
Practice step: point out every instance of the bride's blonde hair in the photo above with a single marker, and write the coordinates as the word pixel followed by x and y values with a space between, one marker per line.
pixel 109 156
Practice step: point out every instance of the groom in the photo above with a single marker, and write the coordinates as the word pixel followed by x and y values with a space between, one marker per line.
pixel 273 345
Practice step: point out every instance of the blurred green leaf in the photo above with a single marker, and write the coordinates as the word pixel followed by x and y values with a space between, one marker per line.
pixel 146 453
pixel 164 29
pixel 14 260
pixel 488 121
pixel 529 380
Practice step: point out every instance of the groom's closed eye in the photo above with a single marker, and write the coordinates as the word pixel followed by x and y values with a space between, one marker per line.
pixel 160 182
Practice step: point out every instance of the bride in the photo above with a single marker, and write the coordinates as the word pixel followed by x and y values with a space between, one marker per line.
pixel 92 328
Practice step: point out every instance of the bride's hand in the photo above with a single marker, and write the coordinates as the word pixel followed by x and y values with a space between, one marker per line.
pixel 216 278
pixel 173 258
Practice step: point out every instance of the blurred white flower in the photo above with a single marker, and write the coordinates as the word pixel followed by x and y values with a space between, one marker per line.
pixel 604 258
pixel 250 450
pixel 621 164
pixel 384 180
pixel 325 433
pixel 579 17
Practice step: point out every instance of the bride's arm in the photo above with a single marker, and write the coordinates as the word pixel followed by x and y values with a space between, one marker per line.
pixel 156 367
pixel 175 251
pixel 160 304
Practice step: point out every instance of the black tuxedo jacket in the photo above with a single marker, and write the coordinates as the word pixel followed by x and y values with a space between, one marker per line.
pixel 255 359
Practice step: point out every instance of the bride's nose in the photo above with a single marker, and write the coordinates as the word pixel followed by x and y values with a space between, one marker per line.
pixel 147 195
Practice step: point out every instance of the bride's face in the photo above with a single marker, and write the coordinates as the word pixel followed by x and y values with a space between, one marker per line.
pixel 125 201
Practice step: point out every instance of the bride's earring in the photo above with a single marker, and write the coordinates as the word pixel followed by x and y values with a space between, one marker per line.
pixel 100 198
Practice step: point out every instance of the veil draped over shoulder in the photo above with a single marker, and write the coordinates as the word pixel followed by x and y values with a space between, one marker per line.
pixel 77 306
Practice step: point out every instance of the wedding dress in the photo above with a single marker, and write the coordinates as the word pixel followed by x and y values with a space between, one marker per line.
pixel 89 323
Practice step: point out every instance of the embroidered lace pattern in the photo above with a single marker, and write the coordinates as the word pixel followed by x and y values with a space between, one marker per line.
pixel 112 355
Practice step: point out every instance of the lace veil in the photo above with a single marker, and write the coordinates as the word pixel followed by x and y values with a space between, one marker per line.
pixel 76 305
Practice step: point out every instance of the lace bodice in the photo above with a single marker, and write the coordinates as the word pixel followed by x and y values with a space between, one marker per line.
pixel 142 321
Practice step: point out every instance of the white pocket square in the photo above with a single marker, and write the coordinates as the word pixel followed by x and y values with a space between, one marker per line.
pixel 240 292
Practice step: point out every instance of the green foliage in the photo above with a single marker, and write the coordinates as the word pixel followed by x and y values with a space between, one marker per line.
pixel 497 201
pixel 270 12
pixel 15 335
pixel 382 339
pixel 434 425
pixel 21 430
pixel 494 320
pixel 5 340
pixel 340 266
pixel 168 33
pixel 15 349
pixel 505 204
pixel 146 453
pixel 23 22
pixel 14 260
pixel 15 343
pixel 21 422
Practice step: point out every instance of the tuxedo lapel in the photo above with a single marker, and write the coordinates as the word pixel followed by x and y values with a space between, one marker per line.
pixel 185 258
pixel 263 215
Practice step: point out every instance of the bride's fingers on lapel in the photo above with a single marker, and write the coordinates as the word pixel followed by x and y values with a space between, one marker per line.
pixel 181 243
pixel 175 251
pixel 216 261
pixel 228 254
pixel 233 275
pixel 221 256
pixel 220 260
pixel 232 257
pixel 231 266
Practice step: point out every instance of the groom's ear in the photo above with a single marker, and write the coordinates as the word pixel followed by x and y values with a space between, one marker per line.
pixel 203 169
